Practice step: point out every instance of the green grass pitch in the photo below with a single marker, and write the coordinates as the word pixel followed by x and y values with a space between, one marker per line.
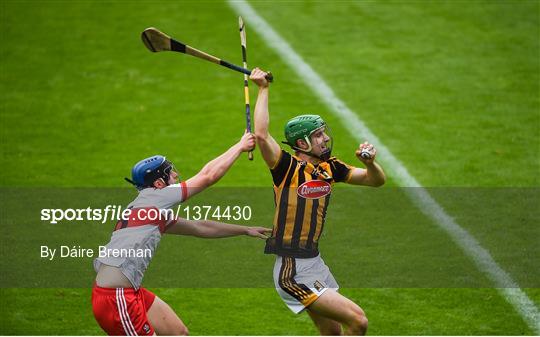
pixel 452 88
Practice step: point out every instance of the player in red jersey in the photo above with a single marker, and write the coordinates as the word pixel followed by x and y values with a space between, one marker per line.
pixel 121 306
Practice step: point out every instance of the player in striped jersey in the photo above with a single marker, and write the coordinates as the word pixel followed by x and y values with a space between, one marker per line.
pixel 302 187
pixel 120 304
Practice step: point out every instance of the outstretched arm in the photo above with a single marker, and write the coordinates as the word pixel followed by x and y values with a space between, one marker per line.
pixel 215 169
pixel 270 149
pixel 373 174
pixel 213 229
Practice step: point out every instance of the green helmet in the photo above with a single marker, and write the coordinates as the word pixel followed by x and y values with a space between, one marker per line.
pixel 301 127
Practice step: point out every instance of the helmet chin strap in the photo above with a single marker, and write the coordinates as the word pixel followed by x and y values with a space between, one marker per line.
pixel 324 156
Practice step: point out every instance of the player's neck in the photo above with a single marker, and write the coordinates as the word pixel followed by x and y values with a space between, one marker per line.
pixel 306 157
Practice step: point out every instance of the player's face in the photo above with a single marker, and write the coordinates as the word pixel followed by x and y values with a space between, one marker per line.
pixel 319 141
pixel 173 177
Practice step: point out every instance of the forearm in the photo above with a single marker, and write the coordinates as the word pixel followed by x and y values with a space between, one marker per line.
pixel 261 115
pixel 217 168
pixel 374 175
pixel 214 229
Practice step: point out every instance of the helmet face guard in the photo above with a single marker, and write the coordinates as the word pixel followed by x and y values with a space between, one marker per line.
pixel 327 152
pixel 162 172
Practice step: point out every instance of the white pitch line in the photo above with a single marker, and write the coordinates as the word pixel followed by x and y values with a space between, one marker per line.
pixel 421 198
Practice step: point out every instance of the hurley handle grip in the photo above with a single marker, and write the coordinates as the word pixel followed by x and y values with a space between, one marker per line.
pixel 269 77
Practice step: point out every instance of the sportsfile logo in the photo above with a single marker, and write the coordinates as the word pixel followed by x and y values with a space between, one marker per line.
pixel 109 213
pixel 314 189
pixel 114 213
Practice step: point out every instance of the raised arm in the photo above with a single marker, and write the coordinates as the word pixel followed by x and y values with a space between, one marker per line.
pixel 270 149
pixel 213 229
pixel 373 174
pixel 216 168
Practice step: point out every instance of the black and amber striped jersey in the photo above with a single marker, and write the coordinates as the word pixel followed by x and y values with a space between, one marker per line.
pixel 301 195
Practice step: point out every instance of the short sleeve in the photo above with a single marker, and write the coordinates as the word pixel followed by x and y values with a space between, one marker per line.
pixel 281 167
pixel 162 198
pixel 171 195
pixel 340 171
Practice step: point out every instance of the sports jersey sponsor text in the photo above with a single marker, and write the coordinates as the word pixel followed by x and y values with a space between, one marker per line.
pixel 314 189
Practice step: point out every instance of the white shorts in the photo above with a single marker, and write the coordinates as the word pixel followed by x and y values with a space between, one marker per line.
pixel 300 282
